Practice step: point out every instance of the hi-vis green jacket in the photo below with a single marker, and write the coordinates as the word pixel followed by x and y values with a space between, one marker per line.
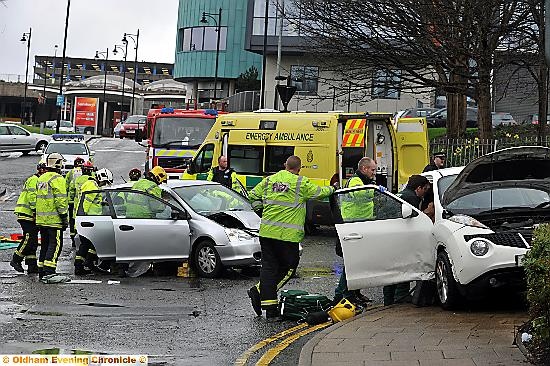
pixel 51 200
pixel 358 205
pixel 282 199
pixel 138 206
pixel 92 202
pixel 26 203
pixel 71 178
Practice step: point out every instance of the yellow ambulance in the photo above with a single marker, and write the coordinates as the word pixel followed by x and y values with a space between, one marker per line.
pixel 330 145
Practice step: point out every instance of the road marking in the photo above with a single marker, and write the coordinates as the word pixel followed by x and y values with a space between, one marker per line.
pixel 243 358
pixel 271 353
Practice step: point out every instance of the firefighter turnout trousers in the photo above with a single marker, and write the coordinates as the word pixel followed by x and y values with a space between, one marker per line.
pixel 52 243
pixel 86 254
pixel 279 262
pixel 28 245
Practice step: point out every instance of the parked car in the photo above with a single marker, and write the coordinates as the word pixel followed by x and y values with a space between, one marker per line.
pixel 64 126
pixel 439 118
pixel 502 118
pixel 128 127
pixel 71 146
pixel 418 112
pixel 202 221
pixel 485 214
pixel 534 119
pixel 16 138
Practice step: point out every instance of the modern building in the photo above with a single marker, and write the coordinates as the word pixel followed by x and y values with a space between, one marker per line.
pixel 197 45
pixel 318 90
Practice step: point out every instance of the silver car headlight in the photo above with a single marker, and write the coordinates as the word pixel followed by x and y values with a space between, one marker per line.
pixel 479 247
pixel 236 235
pixel 467 220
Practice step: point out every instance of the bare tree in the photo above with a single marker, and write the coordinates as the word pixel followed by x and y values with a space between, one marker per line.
pixel 447 45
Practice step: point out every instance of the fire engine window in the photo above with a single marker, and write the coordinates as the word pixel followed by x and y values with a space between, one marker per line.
pixel 275 157
pixel 245 159
pixel 203 162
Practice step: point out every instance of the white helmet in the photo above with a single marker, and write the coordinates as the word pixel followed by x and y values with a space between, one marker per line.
pixel 104 176
pixel 54 161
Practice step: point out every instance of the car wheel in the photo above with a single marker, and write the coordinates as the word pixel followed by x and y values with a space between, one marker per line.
pixel 447 290
pixel 207 261
pixel 41 146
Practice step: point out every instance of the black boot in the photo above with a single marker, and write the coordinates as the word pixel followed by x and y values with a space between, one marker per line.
pixel 81 271
pixel 255 300
pixel 32 268
pixel 16 264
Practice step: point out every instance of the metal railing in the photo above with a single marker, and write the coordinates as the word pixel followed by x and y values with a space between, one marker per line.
pixel 461 151
pixel 244 101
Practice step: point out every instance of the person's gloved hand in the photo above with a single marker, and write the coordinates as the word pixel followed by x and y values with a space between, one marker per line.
pixel 381 188
pixel 64 222
pixel 336 185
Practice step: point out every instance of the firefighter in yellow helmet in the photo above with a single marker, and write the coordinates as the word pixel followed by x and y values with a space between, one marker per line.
pixel 136 206
pixel 282 198
pixel 25 209
pixel 51 214
pixel 92 206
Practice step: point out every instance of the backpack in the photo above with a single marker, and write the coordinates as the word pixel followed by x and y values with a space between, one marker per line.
pixel 297 304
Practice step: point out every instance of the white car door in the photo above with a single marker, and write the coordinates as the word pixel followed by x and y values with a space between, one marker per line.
pixel 148 228
pixel 5 139
pixel 97 226
pixel 388 244
pixel 22 139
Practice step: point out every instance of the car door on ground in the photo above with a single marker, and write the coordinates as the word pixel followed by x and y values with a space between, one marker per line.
pixel 380 246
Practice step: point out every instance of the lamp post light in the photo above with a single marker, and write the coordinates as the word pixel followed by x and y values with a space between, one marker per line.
pixel 218 29
pixel 46 73
pixel 26 38
pixel 135 38
pixel 115 51
pixel 106 55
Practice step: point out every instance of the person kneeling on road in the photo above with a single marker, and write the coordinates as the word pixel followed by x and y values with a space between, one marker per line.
pixel 281 198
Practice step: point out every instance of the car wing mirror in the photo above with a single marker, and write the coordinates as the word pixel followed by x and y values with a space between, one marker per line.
pixel 179 215
pixel 446 214
pixel 407 211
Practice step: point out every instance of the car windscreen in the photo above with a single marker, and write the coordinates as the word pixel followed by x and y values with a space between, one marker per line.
pixel 500 199
pixel 67 149
pixel 65 124
pixel 182 131
pixel 135 119
pixel 206 199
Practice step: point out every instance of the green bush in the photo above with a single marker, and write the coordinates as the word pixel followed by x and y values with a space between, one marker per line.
pixel 537 270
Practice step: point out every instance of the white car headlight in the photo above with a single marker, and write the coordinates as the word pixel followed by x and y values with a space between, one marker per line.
pixel 479 247
pixel 467 220
pixel 236 235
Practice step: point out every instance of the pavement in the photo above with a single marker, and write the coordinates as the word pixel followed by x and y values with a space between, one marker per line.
pixel 406 335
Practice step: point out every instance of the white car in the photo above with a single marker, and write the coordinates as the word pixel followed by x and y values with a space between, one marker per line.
pixel 16 138
pixel 71 146
pixel 485 214
pixel 64 126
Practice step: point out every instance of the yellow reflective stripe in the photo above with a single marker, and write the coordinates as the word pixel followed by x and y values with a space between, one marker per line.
pixel 269 302
pixel 50 264
pixel 298 187
pixel 91 251
pixel 25 242
pixel 285 279
pixel 23 205
pixel 79 258
pixel 45 196
pixel 175 152
pixel 55 213
pixel 57 247
pixel 282 224
pixel 40 264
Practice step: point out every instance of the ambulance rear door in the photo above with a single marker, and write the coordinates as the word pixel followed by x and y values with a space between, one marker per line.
pixel 412 148
pixel 352 143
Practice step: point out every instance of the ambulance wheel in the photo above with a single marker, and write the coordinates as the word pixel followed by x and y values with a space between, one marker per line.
pixel 447 290
pixel 206 260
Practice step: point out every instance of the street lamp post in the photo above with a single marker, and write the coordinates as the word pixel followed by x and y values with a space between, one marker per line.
pixel 46 73
pixel 26 38
pixel 218 23
pixel 106 55
pixel 115 51
pixel 135 38
pixel 63 65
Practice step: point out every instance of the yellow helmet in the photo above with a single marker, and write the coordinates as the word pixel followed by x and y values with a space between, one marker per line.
pixel 342 311
pixel 54 161
pixel 159 174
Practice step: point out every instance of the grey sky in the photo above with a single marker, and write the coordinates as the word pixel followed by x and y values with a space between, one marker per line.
pixel 93 25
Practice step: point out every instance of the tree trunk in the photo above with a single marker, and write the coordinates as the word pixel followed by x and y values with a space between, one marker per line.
pixel 453 126
pixel 543 101
pixel 484 118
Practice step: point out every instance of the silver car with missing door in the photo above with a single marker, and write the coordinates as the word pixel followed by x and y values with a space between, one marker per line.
pixel 202 221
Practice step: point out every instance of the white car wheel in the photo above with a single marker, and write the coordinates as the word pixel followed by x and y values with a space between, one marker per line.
pixel 207 261
pixel 447 289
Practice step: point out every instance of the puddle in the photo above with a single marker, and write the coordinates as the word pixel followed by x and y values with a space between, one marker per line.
pixel 45 313
pixel 101 305
pixel 62 351
pixel 163 289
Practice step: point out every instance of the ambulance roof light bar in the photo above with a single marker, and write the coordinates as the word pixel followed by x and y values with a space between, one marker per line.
pixel 67 136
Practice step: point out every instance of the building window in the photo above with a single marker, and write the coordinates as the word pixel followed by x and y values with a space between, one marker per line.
pixel 201 39
pixel 290 20
pixel 305 78
pixel 386 84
